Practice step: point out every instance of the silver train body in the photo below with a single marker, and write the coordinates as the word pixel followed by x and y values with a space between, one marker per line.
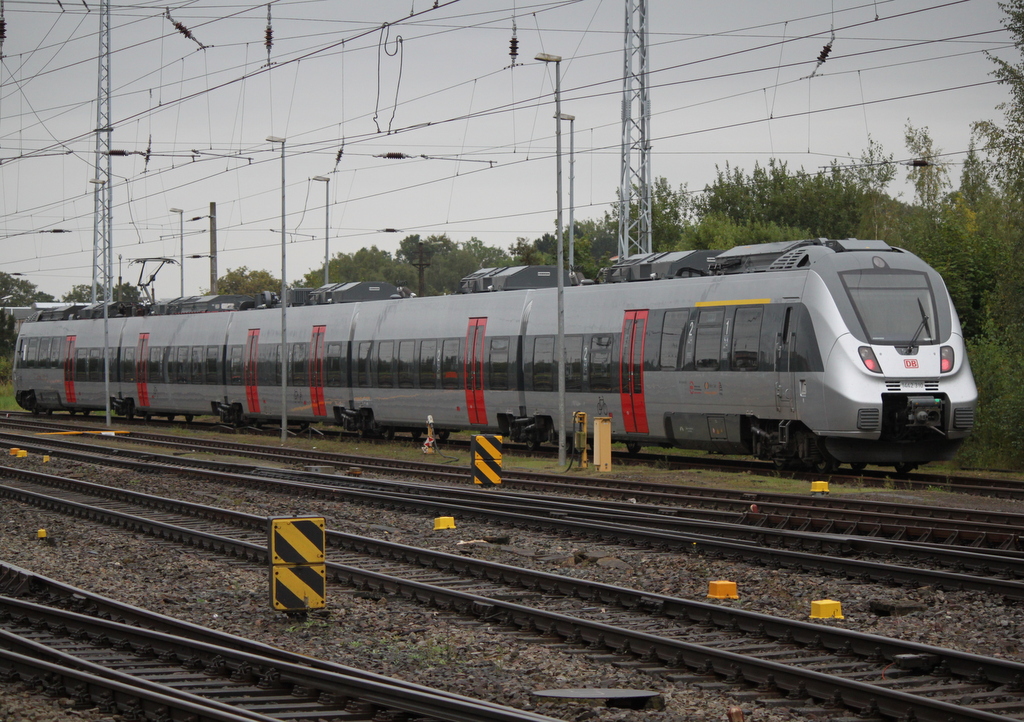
pixel 809 354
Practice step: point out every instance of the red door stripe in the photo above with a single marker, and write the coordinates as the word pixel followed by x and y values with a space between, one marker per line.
pixel 250 369
pixel 474 371
pixel 69 371
pixel 631 372
pixel 142 370
pixel 316 371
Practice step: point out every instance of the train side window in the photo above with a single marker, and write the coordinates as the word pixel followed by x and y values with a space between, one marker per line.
pixel 601 363
pixel 451 368
pixel 709 339
pixel 211 370
pixel 95 364
pixel 181 372
pixel 385 364
pixel 56 345
pixel 428 365
pixel 81 364
pixel 299 375
pixel 543 363
pixel 334 363
pixel 31 353
pixel 497 364
pixel 406 361
pixel 672 339
pixel 128 364
pixel 363 364
pixel 196 366
pixel 235 364
pixel 573 363
pixel 44 353
pixel 746 339
pixel 156 365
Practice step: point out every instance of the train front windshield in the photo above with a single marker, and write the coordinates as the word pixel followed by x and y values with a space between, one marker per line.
pixel 895 308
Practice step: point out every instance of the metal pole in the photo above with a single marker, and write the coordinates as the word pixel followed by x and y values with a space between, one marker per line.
pixel 327 226
pixel 284 303
pixel 213 248
pixel 181 249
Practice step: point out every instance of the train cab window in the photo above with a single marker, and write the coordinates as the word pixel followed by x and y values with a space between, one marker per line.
pixel 709 339
pixel 600 375
pixel 335 365
pixel 385 364
pixel 672 330
pixel 497 364
pixel 299 369
pixel 235 365
pixel 31 352
pixel 428 365
pixel 543 363
pixel 406 361
pixel 95 364
pixel 746 339
pixel 211 370
pixel 128 365
pixel 451 368
pixel 363 364
pixel 573 363
pixel 195 367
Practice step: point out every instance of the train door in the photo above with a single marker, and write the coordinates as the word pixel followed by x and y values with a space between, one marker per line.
pixel 316 371
pixel 69 372
pixel 142 370
pixel 249 371
pixel 474 371
pixel 631 372
pixel 784 378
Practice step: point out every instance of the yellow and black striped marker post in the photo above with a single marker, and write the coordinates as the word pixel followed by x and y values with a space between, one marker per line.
pixel 486 452
pixel 298 570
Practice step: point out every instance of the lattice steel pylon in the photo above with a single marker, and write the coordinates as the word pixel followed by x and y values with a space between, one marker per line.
pixel 102 257
pixel 635 174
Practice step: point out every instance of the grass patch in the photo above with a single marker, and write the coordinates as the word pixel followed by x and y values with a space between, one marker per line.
pixel 7 402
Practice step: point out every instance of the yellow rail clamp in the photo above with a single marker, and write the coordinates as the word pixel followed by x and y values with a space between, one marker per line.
pixel 444 522
pixel 46 458
pixel 819 488
pixel 14 451
pixel 485 449
pixel 722 589
pixel 826 609
pixel 298 573
pixel 22 453
pixel 41 534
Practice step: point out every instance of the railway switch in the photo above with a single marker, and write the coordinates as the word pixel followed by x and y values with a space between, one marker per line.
pixel 826 609
pixel 722 589
pixel 298 572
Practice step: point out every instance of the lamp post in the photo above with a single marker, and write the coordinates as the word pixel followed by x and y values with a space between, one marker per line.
pixel 284 302
pixel 181 248
pixel 572 183
pixel 560 339
pixel 327 225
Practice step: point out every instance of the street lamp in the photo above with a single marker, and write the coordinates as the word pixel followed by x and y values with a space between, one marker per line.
pixel 284 302
pixel 181 248
pixel 327 225
pixel 560 340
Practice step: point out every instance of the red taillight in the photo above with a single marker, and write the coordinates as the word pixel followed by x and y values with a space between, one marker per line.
pixel 870 362
pixel 946 359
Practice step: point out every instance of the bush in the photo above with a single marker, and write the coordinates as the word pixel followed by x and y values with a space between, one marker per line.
pixel 5 370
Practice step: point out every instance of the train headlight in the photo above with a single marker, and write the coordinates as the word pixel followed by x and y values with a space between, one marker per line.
pixel 870 362
pixel 946 358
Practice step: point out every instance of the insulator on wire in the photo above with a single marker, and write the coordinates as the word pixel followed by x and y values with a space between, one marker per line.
pixel 823 55
pixel 341 152
pixel 268 35
pixel 3 29
pixel 394 155
pixel 513 48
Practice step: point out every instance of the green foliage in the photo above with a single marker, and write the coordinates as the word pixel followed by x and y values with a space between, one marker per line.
pixel 19 292
pixel 719 231
pixel 82 293
pixel 8 336
pixel 996 441
pixel 243 281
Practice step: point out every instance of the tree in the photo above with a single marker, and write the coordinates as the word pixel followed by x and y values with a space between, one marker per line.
pixel 19 292
pixel 929 175
pixel 243 281
pixel 82 293
pixel 8 336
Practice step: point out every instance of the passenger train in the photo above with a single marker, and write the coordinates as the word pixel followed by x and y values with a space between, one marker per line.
pixel 807 353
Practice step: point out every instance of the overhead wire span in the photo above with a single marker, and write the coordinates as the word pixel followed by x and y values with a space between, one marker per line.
pixel 382 46
pixel 180 27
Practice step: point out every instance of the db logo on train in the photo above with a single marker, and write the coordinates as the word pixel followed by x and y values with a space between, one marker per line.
pixel 910 363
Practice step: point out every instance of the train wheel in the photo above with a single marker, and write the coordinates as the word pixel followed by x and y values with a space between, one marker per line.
pixel 416 434
pixel 85 412
pixel 147 417
pixel 388 433
pixel 49 412
pixel 533 444
pixel 633 447
pixel 825 466
pixel 188 418
pixel 170 417
pixel 443 434
pixel 859 466
pixel 129 411
pixel 904 467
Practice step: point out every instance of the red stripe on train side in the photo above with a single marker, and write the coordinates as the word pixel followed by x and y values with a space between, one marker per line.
pixel 316 371
pixel 69 371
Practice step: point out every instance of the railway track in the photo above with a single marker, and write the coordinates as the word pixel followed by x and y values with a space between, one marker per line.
pixel 770 511
pixel 749 653
pixel 65 642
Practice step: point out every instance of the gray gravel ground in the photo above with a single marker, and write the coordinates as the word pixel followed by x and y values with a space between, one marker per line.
pixel 393 637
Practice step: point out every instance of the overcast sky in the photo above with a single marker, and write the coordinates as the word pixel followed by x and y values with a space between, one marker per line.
pixel 733 81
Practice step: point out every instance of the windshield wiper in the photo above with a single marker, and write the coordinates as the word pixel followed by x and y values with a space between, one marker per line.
pixel 921 327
